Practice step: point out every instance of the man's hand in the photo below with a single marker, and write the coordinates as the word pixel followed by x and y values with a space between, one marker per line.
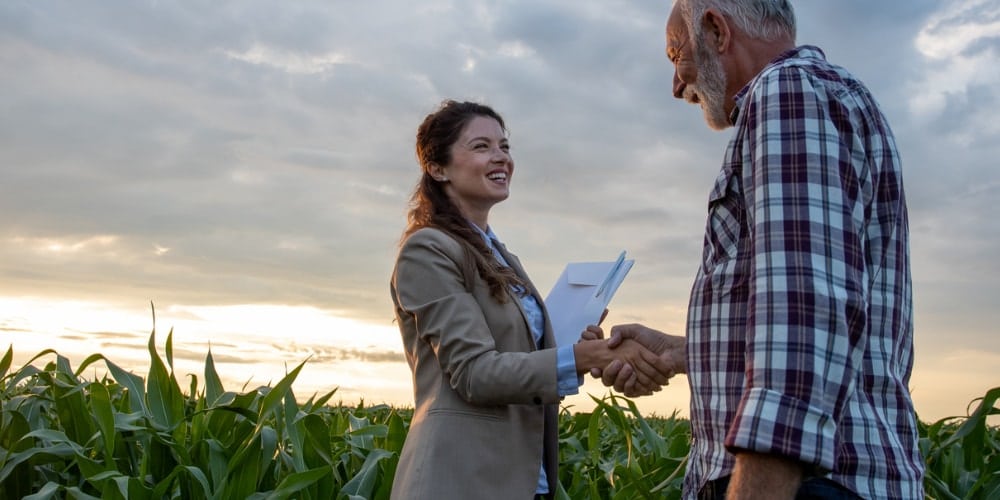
pixel 670 348
pixel 649 371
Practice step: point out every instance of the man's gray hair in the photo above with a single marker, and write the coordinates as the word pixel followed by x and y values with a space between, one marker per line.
pixel 764 19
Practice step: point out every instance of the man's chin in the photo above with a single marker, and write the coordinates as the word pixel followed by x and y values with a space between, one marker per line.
pixel 714 121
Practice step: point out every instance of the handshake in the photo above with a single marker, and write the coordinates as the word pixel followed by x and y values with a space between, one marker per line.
pixel 642 360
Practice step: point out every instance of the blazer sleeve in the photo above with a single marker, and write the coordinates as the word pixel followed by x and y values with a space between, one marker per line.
pixel 430 286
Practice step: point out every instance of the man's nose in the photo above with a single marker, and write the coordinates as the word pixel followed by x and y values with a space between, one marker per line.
pixel 679 86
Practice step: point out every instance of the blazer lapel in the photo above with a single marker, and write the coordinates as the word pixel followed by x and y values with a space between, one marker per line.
pixel 548 338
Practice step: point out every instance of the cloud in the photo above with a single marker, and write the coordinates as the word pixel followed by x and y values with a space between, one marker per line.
pixel 262 153
pixel 333 355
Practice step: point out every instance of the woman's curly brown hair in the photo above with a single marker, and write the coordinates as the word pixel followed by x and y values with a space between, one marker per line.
pixel 430 206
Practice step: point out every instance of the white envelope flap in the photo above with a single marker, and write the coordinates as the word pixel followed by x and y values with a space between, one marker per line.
pixel 574 302
pixel 587 273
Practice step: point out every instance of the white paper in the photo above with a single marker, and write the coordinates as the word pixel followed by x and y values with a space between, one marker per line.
pixel 580 295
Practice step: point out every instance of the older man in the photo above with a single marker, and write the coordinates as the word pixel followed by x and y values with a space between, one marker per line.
pixel 799 342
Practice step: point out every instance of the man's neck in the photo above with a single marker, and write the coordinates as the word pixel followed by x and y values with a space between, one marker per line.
pixel 750 56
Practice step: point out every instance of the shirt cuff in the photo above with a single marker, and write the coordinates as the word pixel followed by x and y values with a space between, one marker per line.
pixel 568 381
pixel 768 421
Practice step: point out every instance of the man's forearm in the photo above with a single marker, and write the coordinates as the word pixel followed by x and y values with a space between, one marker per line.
pixel 761 476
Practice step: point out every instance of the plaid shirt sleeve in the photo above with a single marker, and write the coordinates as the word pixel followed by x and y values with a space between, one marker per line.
pixel 805 216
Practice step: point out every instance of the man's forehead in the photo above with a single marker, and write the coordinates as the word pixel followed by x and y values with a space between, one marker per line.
pixel 676 28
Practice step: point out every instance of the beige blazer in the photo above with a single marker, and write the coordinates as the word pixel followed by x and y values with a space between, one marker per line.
pixel 485 398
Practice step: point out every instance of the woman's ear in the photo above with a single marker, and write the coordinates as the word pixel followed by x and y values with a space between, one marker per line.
pixel 438 173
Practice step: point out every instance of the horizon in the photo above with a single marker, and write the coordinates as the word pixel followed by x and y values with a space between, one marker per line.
pixel 372 372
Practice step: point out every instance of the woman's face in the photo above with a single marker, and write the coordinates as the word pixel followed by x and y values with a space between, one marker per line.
pixel 481 167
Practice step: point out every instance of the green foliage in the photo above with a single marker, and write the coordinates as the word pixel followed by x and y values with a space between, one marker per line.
pixel 614 452
pixel 125 436
pixel 963 453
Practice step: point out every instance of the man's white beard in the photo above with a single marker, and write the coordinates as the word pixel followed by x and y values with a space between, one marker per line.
pixel 710 85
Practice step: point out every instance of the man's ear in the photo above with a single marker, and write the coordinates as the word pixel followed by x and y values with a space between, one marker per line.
pixel 716 29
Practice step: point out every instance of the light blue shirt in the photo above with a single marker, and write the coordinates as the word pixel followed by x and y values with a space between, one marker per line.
pixel 567 381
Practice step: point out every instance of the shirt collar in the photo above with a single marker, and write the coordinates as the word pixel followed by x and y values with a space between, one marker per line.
pixel 800 52
pixel 487 235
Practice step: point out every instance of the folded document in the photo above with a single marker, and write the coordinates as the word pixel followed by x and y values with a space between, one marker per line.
pixel 581 294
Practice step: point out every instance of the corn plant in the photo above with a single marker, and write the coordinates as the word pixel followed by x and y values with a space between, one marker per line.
pixel 616 453
pixel 963 453
pixel 125 436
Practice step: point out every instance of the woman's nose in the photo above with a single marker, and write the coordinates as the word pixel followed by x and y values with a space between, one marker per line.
pixel 499 154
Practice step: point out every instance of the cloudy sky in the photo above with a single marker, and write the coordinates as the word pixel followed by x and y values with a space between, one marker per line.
pixel 246 166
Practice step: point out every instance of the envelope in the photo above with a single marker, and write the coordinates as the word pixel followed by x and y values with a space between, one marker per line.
pixel 580 295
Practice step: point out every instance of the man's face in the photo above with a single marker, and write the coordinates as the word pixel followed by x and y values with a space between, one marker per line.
pixel 699 77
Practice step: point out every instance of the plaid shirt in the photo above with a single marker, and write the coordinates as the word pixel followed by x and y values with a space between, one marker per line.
pixel 800 333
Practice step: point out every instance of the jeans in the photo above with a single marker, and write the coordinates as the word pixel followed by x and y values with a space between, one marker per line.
pixel 813 488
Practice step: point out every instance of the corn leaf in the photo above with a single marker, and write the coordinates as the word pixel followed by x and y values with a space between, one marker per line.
pixel 6 361
pixel 166 404
pixel 363 484
pixel 100 404
pixel 298 481
pixel 49 491
pixel 213 385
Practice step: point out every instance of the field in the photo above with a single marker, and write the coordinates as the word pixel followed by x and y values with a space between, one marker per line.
pixel 126 436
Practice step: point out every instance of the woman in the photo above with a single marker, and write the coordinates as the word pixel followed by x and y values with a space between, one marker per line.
pixel 487 377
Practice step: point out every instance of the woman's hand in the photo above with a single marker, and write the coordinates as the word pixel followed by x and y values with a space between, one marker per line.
pixel 594 332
